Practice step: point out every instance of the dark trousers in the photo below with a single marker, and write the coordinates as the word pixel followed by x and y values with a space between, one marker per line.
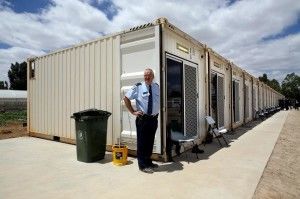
pixel 146 128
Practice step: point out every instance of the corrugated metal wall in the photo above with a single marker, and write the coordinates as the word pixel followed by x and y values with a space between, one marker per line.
pixel 75 79
pixel 264 96
pixel 261 96
pixel 248 99
pixel 255 97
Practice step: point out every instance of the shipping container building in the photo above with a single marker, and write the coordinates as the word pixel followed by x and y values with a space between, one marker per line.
pixel 194 80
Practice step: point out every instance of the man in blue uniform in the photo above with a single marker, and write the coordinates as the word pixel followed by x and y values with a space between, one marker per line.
pixel 146 95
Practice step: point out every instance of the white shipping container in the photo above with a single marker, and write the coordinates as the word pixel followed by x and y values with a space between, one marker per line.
pixel 98 73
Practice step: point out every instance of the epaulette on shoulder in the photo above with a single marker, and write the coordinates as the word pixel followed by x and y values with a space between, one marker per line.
pixel 138 84
pixel 156 83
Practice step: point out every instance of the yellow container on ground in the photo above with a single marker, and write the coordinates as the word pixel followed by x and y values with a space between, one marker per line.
pixel 119 154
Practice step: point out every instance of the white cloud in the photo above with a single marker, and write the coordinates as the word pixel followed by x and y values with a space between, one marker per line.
pixel 62 24
pixel 235 31
pixel 12 55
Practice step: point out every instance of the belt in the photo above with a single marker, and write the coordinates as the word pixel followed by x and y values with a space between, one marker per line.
pixel 145 116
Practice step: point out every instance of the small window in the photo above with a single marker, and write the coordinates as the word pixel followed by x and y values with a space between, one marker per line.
pixel 32 69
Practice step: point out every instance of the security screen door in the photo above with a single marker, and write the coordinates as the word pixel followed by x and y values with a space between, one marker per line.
pixel 182 100
pixel 190 100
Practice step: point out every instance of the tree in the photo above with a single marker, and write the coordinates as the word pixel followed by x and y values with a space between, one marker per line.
pixel 291 86
pixel 18 76
pixel 264 78
pixel 275 85
pixel 3 85
pixel 272 83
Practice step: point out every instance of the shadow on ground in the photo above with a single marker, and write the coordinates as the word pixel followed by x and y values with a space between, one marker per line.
pixel 210 149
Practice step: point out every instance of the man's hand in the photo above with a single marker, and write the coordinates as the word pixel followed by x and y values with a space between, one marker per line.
pixel 137 113
pixel 129 107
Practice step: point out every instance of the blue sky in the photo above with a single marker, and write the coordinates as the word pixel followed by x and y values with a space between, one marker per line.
pixel 289 30
pixel 261 36
pixel 36 6
pixel 32 6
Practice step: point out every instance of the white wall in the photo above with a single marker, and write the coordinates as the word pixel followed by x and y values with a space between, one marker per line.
pixel 70 80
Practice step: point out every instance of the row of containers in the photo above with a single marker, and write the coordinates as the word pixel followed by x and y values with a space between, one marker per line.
pixel 194 80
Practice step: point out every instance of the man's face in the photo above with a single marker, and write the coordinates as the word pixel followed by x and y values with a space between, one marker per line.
pixel 148 77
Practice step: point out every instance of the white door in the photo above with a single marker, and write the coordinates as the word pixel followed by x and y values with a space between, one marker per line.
pixel 139 50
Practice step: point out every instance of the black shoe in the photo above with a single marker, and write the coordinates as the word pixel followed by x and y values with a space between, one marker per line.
pixel 197 150
pixel 153 166
pixel 177 149
pixel 147 170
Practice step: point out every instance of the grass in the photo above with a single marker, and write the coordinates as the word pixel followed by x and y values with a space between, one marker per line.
pixel 12 116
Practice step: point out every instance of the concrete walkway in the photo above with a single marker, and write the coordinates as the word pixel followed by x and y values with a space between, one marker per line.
pixel 37 168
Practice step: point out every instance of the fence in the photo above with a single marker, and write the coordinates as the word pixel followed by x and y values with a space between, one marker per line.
pixel 13 104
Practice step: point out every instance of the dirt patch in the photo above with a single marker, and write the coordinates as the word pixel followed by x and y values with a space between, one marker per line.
pixel 11 130
pixel 281 177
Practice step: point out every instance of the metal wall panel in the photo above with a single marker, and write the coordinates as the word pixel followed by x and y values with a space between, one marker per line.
pixel 74 79
pixel 248 98
pixel 171 39
pixel 265 96
pixel 227 101
pixel 261 96
pixel 238 77
pixel 202 86
pixel 255 99
pixel 254 107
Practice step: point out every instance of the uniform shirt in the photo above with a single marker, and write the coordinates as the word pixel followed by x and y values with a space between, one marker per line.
pixel 140 93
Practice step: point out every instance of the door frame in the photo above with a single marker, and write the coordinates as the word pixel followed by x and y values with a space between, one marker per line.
pixel 184 63
pixel 224 94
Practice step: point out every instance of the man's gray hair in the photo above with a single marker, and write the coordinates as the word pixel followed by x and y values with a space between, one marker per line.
pixel 150 70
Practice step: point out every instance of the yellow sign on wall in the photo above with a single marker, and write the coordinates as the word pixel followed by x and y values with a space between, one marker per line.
pixel 182 48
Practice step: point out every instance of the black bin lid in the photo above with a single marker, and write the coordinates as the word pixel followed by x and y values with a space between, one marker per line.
pixel 91 112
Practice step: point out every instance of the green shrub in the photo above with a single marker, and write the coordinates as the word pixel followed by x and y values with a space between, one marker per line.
pixel 13 116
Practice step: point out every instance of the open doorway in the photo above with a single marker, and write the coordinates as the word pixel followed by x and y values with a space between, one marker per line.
pixel 217 98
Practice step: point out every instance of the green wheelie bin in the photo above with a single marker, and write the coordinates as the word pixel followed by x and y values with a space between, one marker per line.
pixel 91 133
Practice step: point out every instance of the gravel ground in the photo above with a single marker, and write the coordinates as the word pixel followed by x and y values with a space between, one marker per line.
pixel 12 130
pixel 281 177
